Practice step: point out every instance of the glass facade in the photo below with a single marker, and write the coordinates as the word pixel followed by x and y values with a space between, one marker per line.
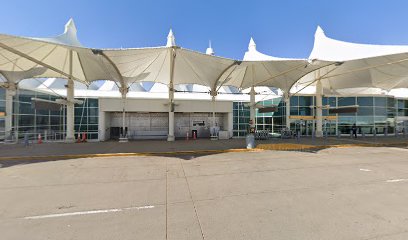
pixel 375 114
pixel 33 121
pixel 86 117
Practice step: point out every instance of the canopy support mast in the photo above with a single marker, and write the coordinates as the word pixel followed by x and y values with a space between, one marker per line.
pixel 70 103
pixel 170 136
pixel 8 124
pixel 123 91
pixel 319 106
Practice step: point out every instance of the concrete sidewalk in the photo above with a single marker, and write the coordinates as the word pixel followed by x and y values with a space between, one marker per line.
pixel 200 146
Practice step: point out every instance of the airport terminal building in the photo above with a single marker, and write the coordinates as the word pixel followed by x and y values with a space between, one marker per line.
pixel 311 97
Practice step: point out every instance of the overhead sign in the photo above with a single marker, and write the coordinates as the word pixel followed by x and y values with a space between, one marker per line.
pixel 343 110
pixel 329 118
pixel 267 109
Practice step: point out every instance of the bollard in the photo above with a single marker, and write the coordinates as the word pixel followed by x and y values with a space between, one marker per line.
pixel 363 134
pixel 351 133
pixel 375 132
pixel 39 138
pixel 26 142
pixel 187 136
pixel 338 134
pixel 250 141
pixel 395 132
pixel 386 132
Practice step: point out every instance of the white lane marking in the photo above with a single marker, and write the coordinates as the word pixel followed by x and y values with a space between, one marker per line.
pixel 365 170
pixel 396 180
pixel 88 212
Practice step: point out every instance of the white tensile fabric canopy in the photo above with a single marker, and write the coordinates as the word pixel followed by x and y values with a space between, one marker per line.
pixel 64 57
pixel 259 69
pixel 358 66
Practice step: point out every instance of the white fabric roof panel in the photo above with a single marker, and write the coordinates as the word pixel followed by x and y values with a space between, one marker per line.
pixel 329 49
pixel 22 57
pixel 153 64
pixel 263 70
pixel 358 65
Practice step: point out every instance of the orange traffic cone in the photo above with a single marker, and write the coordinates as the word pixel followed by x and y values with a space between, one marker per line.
pixel 39 139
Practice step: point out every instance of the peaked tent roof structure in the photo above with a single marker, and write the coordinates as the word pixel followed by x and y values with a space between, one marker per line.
pixel 64 56
pixel 357 66
pixel 61 57
pixel 259 69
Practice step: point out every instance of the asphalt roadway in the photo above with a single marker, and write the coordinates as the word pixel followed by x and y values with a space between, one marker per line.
pixel 337 193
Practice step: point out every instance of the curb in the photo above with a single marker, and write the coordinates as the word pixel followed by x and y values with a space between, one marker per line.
pixel 103 155
pixel 304 147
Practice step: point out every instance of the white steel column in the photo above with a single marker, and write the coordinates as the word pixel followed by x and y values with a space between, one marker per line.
pixel 170 136
pixel 70 104
pixel 319 110
pixel 213 130
pixel 8 124
pixel 123 137
pixel 70 112
pixel 287 104
pixel 252 106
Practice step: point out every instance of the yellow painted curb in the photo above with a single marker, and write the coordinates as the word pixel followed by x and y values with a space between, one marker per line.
pixel 102 155
pixel 301 147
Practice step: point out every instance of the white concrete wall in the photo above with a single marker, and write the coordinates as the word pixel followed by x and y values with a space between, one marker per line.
pixel 108 105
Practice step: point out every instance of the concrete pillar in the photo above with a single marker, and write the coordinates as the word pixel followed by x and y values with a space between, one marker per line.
pixel 101 126
pixel 8 124
pixel 230 124
pixel 70 112
pixel 252 106
pixel 319 109
pixel 123 137
pixel 287 103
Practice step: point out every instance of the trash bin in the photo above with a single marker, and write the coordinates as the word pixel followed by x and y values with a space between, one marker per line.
pixel 250 141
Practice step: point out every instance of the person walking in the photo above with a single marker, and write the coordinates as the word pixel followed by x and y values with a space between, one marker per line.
pixel 354 129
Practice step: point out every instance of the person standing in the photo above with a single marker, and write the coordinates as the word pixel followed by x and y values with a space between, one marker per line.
pixel 354 129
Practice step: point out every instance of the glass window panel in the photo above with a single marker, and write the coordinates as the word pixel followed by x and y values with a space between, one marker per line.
pixel 380 111
pixel 294 111
pixel 305 101
pixel 305 111
pixel 42 120
pixel 26 120
pixel 365 101
pixel 294 101
pixel 92 120
pixel 365 111
pixel 346 101
pixel 380 101
pixel 391 102
pixel 93 111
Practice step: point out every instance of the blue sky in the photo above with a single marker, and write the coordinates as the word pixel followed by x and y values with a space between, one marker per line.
pixel 280 28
